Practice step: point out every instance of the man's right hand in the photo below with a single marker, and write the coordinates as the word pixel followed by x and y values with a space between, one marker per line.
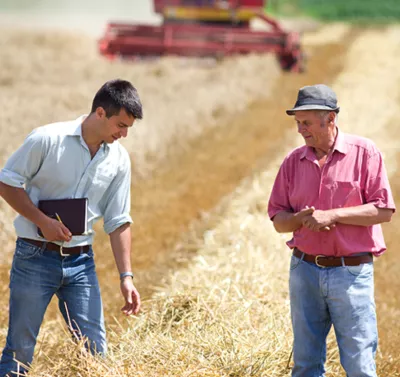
pixel 307 211
pixel 53 230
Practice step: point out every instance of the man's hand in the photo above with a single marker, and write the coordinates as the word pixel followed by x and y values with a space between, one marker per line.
pixel 54 230
pixel 287 221
pixel 304 213
pixel 319 220
pixel 131 296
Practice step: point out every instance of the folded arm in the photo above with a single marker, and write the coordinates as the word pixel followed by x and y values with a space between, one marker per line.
pixel 363 215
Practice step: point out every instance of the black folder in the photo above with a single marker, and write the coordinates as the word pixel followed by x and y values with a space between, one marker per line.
pixel 72 213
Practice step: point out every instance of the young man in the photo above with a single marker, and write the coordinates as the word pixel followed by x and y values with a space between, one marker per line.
pixel 74 159
pixel 331 193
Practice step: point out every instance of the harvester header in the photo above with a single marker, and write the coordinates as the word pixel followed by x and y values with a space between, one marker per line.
pixel 204 28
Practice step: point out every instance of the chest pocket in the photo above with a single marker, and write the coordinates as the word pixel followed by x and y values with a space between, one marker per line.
pixel 103 177
pixel 346 194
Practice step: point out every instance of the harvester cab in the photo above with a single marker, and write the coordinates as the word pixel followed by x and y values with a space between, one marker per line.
pixel 228 12
pixel 204 28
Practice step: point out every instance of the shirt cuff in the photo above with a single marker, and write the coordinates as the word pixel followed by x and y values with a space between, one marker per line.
pixel 383 205
pixel 11 178
pixel 116 222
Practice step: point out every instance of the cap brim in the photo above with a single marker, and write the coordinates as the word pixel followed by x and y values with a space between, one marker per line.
pixel 311 107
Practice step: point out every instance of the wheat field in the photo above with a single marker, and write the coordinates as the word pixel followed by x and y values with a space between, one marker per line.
pixel 211 270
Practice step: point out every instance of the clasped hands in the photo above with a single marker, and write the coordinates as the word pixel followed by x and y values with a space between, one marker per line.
pixel 317 220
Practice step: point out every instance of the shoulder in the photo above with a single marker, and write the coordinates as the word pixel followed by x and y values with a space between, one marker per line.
pixel 58 128
pixel 38 136
pixel 295 155
pixel 363 144
pixel 292 160
pixel 53 131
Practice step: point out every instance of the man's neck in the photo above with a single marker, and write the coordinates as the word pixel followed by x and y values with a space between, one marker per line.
pixel 327 149
pixel 90 135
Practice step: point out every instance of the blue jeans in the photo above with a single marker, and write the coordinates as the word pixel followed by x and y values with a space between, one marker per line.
pixel 36 275
pixel 338 296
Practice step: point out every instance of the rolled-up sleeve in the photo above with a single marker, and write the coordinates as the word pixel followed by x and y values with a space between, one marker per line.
pixel 116 202
pixel 377 188
pixel 279 198
pixel 26 161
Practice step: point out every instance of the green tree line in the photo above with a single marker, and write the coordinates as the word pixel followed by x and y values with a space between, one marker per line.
pixel 349 10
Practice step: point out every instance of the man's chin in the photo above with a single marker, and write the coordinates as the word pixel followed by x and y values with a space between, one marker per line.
pixel 309 142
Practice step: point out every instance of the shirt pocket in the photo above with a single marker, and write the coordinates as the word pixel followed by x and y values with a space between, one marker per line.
pixel 100 183
pixel 346 194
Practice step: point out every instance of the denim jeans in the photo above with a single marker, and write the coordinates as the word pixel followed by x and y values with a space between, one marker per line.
pixel 36 275
pixel 339 296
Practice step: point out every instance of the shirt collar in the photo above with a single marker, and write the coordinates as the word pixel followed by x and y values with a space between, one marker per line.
pixel 76 130
pixel 75 127
pixel 340 142
pixel 340 146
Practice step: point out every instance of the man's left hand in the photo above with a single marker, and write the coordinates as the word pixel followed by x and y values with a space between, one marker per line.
pixel 320 220
pixel 131 296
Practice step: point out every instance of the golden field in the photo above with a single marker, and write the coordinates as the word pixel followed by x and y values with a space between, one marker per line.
pixel 212 271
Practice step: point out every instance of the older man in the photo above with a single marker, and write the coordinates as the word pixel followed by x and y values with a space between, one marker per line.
pixel 332 193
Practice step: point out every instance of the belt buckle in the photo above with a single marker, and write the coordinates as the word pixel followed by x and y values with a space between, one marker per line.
pixel 62 254
pixel 316 260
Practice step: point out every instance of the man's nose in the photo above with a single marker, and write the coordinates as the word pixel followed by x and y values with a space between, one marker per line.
pixel 301 128
pixel 124 132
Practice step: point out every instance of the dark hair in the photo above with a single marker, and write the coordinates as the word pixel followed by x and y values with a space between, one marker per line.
pixel 115 95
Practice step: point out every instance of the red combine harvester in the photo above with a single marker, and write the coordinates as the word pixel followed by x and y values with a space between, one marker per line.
pixel 204 28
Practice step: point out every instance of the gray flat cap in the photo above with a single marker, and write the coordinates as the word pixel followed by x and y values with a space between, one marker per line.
pixel 315 97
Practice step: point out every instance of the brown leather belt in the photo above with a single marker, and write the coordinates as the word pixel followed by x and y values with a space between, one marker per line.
pixel 327 261
pixel 62 250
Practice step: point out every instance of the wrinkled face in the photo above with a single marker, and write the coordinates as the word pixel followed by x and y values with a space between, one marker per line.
pixel 317 131
pixel 115 127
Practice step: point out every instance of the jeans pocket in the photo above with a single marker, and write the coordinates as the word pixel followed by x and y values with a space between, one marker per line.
pixel 25 250
pixel 90 253
pixel 89 256
pixel 362 269
pixel 294 262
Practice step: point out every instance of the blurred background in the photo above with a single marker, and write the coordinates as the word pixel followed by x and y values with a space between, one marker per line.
pixel 89 16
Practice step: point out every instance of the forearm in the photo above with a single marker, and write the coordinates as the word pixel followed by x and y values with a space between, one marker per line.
pixel 364 215
pixel 121 246
pixel 286 222
pixel 19 200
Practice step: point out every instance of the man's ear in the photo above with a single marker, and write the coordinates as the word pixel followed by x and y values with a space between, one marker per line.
pixel 100 113
pixel 331 117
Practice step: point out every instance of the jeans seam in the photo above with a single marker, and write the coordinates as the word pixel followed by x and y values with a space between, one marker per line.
pixel 321 364
pixel 298 263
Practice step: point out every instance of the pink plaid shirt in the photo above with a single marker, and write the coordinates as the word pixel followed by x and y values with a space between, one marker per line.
pixel 354 174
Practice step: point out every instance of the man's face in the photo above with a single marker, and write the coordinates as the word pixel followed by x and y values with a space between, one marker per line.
pixel 315 129
pixel 116 126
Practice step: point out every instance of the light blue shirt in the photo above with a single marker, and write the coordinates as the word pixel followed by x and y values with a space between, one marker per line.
pixel 54 162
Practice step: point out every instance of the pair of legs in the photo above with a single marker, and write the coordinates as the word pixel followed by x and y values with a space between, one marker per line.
pixel 338 296
pixel 36 275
